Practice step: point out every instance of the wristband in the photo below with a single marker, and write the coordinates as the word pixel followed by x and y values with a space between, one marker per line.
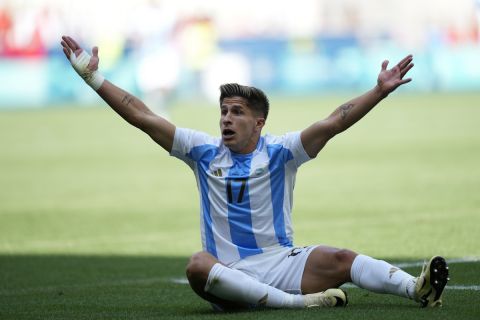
pixel 92 77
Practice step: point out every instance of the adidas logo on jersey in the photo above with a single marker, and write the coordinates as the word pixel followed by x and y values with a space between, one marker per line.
pixel 217 173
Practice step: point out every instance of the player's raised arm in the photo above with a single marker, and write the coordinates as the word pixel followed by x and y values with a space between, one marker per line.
pixel 318 134
pixel 126 105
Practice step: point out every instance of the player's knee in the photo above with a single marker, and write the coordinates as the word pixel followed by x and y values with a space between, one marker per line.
pixel 344 259
pixel 199 266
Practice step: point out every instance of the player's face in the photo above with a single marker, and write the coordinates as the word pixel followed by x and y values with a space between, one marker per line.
pixel 239 126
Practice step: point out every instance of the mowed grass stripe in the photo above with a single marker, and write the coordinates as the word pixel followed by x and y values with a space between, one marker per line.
pixel 183 281
pixel 88 201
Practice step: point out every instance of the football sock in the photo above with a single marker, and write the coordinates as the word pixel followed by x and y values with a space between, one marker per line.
pixel 233 285
pixel 381 277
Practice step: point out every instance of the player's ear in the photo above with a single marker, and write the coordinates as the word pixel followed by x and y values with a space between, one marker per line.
pixel 260 122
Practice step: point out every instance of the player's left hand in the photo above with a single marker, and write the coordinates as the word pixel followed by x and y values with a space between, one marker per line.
pixel 389 80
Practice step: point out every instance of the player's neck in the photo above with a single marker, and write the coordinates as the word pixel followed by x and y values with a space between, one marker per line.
pixel 250 147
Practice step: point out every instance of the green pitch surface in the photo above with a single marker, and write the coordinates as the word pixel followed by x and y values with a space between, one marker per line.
pixel 97 222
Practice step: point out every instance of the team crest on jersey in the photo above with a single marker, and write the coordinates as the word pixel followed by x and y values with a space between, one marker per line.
pixel 259 171
pixel 217 173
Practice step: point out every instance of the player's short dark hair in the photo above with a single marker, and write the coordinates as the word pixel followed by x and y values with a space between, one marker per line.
pixel 256 99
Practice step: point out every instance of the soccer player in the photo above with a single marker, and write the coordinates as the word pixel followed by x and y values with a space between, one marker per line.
pixel 246 181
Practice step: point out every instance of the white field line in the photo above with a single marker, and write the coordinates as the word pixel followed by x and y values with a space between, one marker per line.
pixel 179 280
pixel 449 261
pixel 400 265
pixel 58 289
pixel 454 287
pixel 473 288
pixel 73 243
pixel 69 287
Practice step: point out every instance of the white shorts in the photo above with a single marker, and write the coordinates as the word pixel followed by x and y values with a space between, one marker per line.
pixel 279 267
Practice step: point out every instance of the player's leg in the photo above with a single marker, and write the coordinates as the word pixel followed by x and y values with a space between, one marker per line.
pixel 326 267
pixel 380 276
pixel 233 289
pixel 197 272
pixel 329 267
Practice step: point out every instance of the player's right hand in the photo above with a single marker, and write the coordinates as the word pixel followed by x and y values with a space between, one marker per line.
pixel 73 52
pixel 84 64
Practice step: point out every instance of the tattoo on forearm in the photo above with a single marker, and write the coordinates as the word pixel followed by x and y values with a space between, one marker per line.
pixel 127 99
pixel 345 109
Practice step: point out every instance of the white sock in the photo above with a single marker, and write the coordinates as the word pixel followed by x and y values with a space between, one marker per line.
pixel 234 285
pixel 381 277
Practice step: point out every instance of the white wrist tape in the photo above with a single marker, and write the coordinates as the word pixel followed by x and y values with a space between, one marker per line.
pixel 93 78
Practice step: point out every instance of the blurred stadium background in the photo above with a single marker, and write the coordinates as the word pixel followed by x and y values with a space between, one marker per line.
pixel 96 220
pixel 171 49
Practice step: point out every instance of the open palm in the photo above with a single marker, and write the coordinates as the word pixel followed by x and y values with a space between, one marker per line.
pixel 389 80
pixel 71 46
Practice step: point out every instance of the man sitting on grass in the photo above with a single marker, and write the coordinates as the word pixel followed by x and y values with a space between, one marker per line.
pixel 246 181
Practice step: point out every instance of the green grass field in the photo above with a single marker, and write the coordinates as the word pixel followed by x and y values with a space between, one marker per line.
pixel 97 222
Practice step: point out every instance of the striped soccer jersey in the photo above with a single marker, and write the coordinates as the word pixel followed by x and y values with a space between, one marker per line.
pixel 245 199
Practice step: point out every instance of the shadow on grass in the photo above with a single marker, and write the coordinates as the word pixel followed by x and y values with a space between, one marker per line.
pixel 62 286
pixel 133 287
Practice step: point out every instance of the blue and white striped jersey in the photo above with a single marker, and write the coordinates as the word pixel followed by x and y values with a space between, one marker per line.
pixel 245 199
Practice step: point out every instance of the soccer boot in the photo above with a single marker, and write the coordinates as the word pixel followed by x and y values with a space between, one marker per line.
pixel 431 282
pixel 328 298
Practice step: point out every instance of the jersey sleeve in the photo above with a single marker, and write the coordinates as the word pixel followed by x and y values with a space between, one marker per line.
pixel 293 142
pixel 188 145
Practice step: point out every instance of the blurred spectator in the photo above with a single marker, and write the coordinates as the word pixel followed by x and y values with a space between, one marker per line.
pixel 52 27
pixel 158 72
pixel 164 48
pixel 21 34
pixel 6 24
pixel 197 41
pixel 477 19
